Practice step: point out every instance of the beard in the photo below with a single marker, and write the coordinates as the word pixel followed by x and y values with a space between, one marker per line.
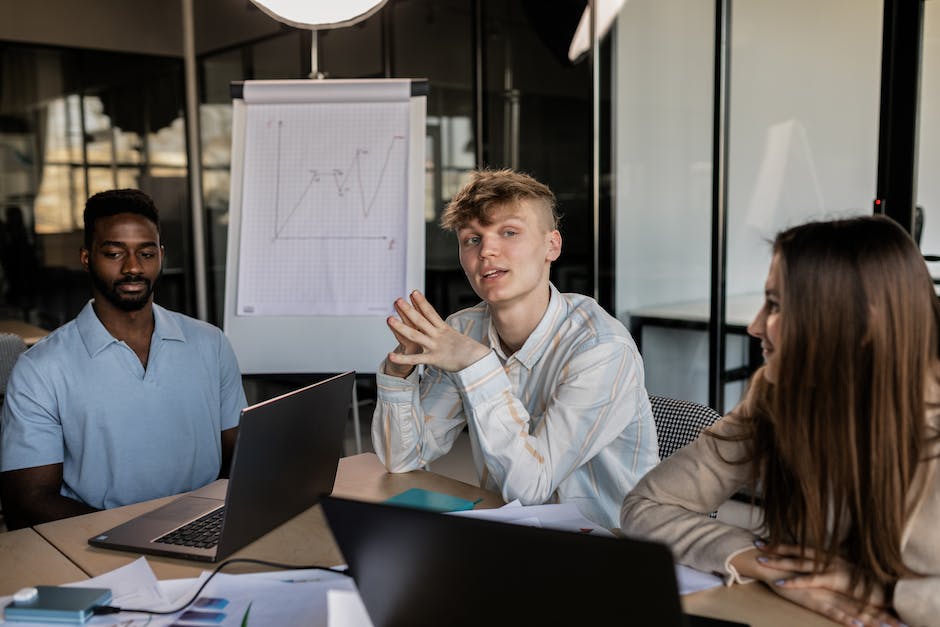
pixel 122 301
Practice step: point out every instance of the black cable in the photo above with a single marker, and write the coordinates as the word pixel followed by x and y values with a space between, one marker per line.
pixel 110 609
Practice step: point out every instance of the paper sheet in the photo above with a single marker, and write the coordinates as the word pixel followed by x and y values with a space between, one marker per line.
pixel 299 597
pixel 561 516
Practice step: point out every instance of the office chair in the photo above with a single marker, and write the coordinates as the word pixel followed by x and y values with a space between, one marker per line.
pixel 679 422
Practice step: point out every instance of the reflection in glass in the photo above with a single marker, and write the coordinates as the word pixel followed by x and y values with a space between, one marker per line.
pixel 167 145
pixel 97 130
pixel 54 200
pixel 128 177
pixel 99 180
pixel 804 128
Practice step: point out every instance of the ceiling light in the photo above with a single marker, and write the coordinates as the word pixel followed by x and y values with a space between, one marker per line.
pixel 319 14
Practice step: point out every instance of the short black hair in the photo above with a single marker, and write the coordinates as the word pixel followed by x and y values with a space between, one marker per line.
pixel 115 201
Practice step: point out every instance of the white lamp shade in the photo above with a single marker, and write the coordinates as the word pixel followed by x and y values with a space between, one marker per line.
pixel 319 14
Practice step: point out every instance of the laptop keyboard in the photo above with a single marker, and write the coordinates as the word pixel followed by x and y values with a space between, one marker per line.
pixel 201 533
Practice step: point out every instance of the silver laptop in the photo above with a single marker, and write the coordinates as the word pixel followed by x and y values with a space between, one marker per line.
pixel 286 456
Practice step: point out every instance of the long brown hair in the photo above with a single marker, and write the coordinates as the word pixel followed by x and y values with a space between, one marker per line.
pixel 837 437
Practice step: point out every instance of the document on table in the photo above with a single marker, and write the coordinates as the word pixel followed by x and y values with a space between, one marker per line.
pixel 307 597
pixel 561 516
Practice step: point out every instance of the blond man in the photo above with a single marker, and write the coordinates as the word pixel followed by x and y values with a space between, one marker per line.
pixel 549 385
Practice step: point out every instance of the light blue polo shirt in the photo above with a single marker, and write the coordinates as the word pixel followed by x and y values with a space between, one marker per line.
pixel 123 434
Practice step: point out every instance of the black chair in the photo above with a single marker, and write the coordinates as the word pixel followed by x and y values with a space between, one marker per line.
pixel 679 422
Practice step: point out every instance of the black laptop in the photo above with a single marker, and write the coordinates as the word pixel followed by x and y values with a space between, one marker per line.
pixel 414 568
pixel 286 456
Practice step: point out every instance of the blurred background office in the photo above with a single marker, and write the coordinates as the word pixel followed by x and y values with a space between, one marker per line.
pixel 678 138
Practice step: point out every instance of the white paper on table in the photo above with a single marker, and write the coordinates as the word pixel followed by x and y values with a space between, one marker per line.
pixel 307 597
pixel 345 609
pixel 561 516
pixel 692 580
pixel 133 585
pixel 267 600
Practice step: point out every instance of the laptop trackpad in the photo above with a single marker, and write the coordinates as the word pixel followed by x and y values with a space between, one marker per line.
pixel 163 519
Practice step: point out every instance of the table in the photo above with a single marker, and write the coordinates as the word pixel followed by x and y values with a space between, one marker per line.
pixel 306 539
pixel 751 603
pixel 30 333
pixel 740 310
pixel 27 559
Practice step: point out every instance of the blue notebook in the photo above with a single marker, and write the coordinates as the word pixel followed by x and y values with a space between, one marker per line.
pixel 430 500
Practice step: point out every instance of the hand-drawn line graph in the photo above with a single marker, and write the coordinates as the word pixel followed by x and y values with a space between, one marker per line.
pixel 324 209
pixel 344 181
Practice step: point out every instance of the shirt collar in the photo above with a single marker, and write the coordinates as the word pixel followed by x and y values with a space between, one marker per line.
pixel 537 342
pixel 96 338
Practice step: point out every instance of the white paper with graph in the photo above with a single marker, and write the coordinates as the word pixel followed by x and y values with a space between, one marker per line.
pixel 326 220
pixel 325 211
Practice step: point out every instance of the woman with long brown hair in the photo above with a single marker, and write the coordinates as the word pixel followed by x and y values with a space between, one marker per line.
pixel 837 434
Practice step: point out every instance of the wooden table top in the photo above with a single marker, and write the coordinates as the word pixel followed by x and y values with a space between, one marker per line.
pixel 28 560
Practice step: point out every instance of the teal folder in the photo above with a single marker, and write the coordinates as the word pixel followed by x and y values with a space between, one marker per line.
pixel 429 500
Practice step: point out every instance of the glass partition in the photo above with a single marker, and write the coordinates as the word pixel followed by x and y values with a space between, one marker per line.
pixel 802 143
pixel 928 158
pixel 662 123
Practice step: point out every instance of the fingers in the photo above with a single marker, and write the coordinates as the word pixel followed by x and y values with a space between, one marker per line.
pixel 791 564
pixel 837 580
pixel 427 310
pixel 790 550
pixel 409 339
pixel 787 557
pixel 419 313
pixel 838 607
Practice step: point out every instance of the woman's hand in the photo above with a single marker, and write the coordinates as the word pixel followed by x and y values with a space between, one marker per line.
pixel 789 572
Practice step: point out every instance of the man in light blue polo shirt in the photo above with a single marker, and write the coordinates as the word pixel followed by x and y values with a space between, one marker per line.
pixel 128 401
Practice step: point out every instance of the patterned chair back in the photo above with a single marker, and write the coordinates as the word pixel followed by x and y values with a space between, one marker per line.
pixel 679 422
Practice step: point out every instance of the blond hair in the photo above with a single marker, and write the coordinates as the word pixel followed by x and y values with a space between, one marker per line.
pixel 488 190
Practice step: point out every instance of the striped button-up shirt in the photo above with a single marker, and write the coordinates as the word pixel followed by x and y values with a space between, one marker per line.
pixel 566 418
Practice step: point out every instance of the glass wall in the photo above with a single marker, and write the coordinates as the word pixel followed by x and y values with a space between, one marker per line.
pixel 928 158
pixel 662 124
pixel 802 143
pixel 73 123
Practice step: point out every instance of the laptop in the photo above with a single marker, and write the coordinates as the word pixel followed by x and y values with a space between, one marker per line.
pixel 415 567
pixel 286 456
